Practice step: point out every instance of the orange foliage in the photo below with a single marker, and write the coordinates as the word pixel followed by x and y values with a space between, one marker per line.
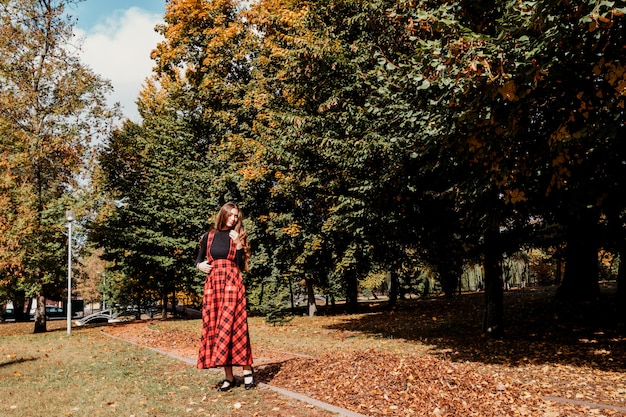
pixel 508 91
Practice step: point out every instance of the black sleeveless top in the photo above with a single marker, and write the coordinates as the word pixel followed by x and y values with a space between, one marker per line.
pixel 219 248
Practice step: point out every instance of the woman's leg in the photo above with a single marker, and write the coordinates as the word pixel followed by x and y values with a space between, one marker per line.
pixel 248 377
pixel 228 373
pixel 229 379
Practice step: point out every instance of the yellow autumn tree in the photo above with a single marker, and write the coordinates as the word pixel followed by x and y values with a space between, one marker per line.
pixel 51 108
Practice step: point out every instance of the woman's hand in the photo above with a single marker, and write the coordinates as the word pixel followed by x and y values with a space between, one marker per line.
pixel 236 237
pixel 204 267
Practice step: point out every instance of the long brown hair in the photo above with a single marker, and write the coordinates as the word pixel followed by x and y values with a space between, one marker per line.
pixel 220 224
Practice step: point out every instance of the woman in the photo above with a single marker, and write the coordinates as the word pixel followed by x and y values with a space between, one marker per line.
pixel 225 341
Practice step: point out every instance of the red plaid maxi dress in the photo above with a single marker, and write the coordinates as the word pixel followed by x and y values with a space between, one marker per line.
pixel 225 340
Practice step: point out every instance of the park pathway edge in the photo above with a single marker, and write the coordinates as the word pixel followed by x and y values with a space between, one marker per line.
pixel 347 413
pixel 325 406
pixel 591 405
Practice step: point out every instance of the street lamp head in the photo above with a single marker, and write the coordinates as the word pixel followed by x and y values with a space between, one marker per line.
pixel 69 215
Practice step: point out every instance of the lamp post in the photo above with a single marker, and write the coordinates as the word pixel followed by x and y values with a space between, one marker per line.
pixel 69 216
pixel 104 291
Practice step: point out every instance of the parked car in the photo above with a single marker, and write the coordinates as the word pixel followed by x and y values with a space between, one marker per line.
pixel 8 315
pixel 52 312
pixel 55 312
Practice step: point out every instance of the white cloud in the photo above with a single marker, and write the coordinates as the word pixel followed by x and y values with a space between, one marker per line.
pixel 119 50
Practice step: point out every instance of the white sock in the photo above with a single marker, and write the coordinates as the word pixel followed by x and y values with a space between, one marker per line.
pixel 226 384
pixel 248 377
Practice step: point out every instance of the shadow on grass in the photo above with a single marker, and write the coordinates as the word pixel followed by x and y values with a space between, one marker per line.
pixel 266 372
pixel 16 361
pixel 538 329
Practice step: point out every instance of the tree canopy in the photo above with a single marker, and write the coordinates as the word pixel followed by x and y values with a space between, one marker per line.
pixel 51 109
pixel 370 137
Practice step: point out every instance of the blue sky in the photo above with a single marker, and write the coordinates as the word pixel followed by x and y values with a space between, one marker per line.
pixel 118 36
pixel 93 12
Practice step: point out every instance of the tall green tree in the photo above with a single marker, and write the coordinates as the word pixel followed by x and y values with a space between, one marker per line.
pixel 51 107
pixel 519 100
pixel 367 135
pixel 554 118
pixel 338 195
pixel 153 177
pixel 203 70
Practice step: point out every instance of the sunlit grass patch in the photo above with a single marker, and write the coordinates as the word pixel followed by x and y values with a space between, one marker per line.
pixel 89 374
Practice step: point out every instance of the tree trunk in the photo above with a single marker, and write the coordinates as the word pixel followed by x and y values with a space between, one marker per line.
pixel 40 314
pixel 18 307
pixel 394 285
pixel 559 266
pixel 580 281
pixel 175 311
pixel 620 296
pixel 352 292
pixel 493 313
pixel 311 297
pixel 138 309
pixel 164 307
pixel 262 293
pixel 449 282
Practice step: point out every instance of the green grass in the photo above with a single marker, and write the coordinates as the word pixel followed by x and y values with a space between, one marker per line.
pixel 548 350
pixel 89 374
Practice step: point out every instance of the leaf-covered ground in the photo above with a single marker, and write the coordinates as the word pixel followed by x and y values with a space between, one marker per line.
pixel 427 357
